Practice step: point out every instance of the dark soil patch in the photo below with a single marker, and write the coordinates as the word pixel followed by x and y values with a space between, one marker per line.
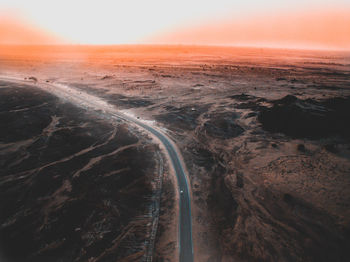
pixel 127 102
pixel 308 118
pixel 222 125
pixel 184 118
pixel 242 97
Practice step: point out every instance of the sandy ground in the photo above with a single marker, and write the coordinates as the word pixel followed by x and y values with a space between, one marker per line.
pixel 264 189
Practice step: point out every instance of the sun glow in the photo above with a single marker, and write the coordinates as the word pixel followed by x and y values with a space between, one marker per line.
pixel 225 22
pixel 312 29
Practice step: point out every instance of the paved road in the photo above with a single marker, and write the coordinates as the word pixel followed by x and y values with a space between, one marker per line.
pixel 185 219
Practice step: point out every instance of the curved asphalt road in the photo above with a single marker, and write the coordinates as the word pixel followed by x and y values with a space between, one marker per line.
pixel 185 219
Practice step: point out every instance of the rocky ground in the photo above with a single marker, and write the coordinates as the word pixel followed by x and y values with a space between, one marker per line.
pixel 73 186
pixel 264 133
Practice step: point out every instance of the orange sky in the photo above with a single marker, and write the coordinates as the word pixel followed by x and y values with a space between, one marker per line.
pixel 17 31
pixel 288 23
pixel 313 29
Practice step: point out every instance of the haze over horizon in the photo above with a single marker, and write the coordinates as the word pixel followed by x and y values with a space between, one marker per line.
pixel 291 24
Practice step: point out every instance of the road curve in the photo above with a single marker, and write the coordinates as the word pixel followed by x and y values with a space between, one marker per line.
pixel 185 218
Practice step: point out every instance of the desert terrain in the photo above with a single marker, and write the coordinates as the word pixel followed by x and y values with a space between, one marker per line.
pixel 264 133
pixel 74 186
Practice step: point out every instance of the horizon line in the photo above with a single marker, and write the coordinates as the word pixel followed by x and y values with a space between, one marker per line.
pixel 250 46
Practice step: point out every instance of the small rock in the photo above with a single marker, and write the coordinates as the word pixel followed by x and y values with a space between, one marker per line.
pixel 331 148
pixel 33 78
pixel 301 148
